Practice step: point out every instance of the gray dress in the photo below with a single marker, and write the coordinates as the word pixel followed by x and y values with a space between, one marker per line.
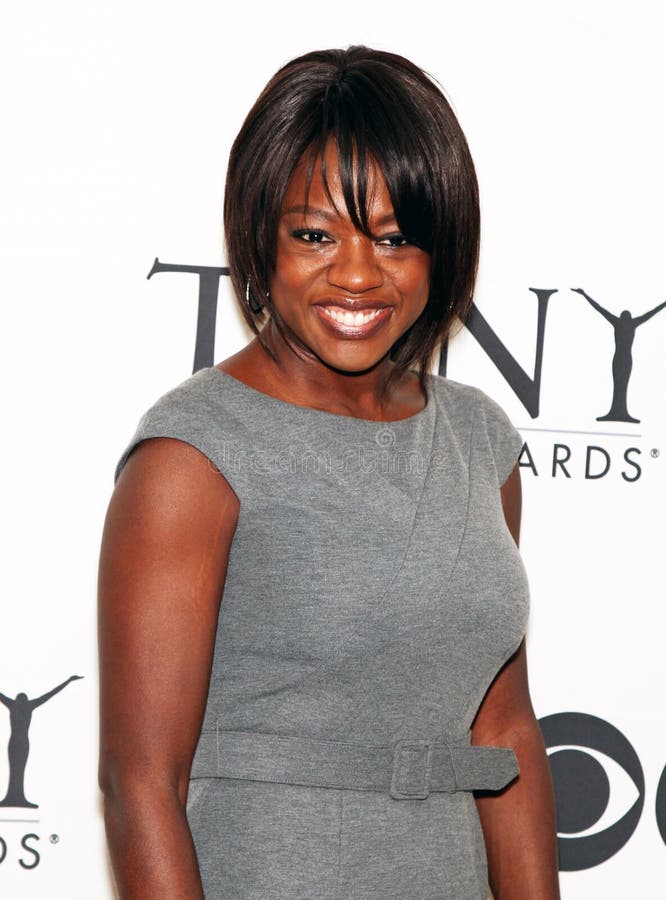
pixel 373 592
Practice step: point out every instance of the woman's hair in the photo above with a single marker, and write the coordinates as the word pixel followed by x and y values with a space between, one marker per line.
pixel 381 109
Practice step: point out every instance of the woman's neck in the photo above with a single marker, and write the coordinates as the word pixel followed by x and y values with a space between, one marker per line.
pixel 273 365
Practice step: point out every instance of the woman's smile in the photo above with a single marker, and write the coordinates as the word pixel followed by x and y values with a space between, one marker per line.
pixel 353 321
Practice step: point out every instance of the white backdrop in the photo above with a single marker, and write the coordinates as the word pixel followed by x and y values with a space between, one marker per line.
pixel 116 123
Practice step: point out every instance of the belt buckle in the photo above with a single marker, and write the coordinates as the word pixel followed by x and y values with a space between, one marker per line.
pixel 412 764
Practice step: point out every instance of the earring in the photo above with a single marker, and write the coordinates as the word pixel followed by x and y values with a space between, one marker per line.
pixel 249 299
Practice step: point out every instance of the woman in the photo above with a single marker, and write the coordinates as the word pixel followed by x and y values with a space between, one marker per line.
pixel 320 732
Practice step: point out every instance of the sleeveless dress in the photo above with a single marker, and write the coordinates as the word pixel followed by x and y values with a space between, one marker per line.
pixel 373 592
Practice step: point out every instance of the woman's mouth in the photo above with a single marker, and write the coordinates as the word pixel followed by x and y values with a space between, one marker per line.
pixel 353 323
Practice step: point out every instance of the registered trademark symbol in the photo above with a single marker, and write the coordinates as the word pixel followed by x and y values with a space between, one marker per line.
pixel 54 838
pixel 654 453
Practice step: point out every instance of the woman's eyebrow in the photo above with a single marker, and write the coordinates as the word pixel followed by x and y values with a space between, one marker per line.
pixel 313 210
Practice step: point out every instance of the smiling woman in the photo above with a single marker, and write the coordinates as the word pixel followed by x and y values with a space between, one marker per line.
pixel 312 604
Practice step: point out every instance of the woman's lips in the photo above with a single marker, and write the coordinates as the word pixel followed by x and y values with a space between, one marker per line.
pixel 353 323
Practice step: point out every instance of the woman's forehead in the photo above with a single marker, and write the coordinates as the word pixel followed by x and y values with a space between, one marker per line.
pixel 317 182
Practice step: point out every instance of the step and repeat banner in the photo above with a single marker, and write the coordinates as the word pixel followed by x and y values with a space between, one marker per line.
pixel 117 121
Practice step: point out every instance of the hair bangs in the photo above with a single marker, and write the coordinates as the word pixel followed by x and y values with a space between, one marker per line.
pixel 339 122
pixel 368 132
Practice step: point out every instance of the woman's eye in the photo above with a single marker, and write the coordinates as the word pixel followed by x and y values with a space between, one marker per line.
pixel 310 236
pixel 393 240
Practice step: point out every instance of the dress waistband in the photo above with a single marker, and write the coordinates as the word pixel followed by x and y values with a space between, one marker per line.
pixel 408 769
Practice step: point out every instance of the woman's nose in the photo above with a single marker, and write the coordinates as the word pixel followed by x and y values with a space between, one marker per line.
pixel 355 267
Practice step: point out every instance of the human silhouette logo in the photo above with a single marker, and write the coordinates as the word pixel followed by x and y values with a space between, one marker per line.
pixel 624 328
pixel 20 716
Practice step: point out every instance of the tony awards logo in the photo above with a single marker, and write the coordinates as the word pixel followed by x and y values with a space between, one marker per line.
pixel 20 716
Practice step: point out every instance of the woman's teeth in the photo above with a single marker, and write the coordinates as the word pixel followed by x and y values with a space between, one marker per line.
pixel 345 317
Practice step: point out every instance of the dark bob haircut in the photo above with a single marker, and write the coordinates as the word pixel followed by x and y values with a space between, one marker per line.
pixel 381 109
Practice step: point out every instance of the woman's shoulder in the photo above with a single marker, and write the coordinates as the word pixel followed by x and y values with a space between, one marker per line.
pixel 465 399
pixel 197 411
pixel 196 391
pixel 473 412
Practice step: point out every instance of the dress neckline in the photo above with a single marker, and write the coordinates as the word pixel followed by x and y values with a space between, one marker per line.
pixel 241 388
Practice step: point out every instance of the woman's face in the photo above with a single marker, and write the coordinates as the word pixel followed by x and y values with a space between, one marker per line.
pixel 346 296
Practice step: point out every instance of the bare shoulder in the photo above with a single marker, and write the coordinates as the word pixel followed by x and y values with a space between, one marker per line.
pixel 171 492
pixel 164 468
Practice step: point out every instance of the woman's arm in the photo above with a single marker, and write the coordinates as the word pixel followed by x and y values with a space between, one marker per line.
pixel 519 824
pixel 163 562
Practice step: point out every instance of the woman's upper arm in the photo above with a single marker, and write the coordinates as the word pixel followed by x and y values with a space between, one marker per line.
pixel 163 560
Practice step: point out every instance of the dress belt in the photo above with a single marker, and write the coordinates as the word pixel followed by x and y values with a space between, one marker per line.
pixel 408 769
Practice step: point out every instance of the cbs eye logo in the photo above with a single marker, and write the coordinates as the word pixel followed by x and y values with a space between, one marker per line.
pixel 594 821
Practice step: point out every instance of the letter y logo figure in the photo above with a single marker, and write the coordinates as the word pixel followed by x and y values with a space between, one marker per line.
pixel 624 328
pixel 20 715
